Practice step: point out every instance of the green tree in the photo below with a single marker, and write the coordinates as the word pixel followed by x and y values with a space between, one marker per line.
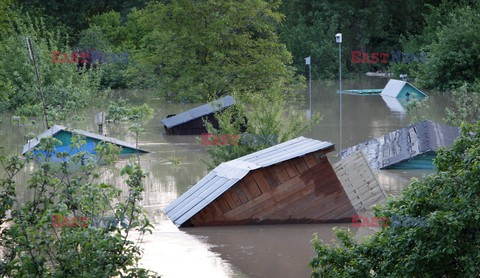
pixel 53 234
pixel 65 87
pixel 205 49
pixel 447 247
pixel 367 26
pixel 466 105
pixel 454 53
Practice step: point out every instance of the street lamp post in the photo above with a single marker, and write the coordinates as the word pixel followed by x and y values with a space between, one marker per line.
pixel 338 38
pixel 308 62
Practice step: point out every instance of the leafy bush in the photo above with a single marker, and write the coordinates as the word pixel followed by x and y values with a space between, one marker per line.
pixel 119 111
pixel 258 115
pixel 454 54
pixel 466 104
pixel 447 247
pixel 32 242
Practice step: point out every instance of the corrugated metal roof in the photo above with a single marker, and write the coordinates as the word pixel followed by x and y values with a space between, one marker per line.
pixel 199 111
pixel 405 143
pixel 394 87
pixel 57 128
pixel 359 182
pixel 229 173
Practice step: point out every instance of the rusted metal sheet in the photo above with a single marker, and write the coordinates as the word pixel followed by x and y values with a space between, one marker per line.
pixel 406 143
pixel 359 182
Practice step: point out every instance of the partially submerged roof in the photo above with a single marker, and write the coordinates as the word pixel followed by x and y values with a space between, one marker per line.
pixel 405 143
pixel 199 111
pixel 363 91
pixel 394 87
pixel 229 173
pixel 58 128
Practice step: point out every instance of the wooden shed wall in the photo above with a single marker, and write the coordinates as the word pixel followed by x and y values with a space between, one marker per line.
pixel 302 190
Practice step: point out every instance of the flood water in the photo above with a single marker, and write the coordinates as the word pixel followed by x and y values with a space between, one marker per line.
pixel 239 251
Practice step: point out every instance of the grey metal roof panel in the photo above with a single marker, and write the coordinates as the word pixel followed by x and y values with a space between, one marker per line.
pixel 227 174
pixel 57 128
pixel 199 111
pixel 405 143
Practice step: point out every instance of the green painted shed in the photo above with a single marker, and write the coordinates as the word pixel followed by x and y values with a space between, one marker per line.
pixel 402 90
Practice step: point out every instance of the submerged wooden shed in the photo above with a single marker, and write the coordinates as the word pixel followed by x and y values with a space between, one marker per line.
pixel 411 147
pixel 402 89
pixel 292 182
pixel 64 135
pixel 191 122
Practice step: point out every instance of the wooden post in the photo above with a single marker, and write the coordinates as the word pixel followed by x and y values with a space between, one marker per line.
pixel 32 58
pixel 100 121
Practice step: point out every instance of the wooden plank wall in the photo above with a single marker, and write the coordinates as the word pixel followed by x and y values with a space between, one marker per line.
pixel 302 190
pixel 359 182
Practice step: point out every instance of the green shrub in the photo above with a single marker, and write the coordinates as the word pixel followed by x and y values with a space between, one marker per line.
pixel 450 244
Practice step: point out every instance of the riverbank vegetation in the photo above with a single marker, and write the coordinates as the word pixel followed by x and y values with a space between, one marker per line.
pixel 197 51
pixel 446 247
pixel 52 233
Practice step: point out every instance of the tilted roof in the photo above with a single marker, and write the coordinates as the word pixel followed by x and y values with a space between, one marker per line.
pixel 199 111
pixel 405 143
pixel 227 174
pixel 394 87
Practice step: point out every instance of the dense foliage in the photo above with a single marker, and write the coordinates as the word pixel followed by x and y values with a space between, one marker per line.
pixel 195 51
pixel 447 247
pixel 454 53
pixel 204 49
pixel 35 242
pixel 65 88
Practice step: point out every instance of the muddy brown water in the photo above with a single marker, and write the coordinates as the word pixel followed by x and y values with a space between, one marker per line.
pixel 238 251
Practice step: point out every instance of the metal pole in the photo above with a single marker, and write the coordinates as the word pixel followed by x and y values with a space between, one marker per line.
pixel 310 84
pixel 340 79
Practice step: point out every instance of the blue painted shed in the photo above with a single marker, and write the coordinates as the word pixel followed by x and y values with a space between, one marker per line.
pixel 411 147
pixel 64 135
pixel 403 90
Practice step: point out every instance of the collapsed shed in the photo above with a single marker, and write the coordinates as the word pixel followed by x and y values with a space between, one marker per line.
pixel 411 147
pixel 191 122
pixel 292 182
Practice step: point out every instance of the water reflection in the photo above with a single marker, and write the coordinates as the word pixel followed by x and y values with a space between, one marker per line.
pixel 270 250
pixel 173 253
